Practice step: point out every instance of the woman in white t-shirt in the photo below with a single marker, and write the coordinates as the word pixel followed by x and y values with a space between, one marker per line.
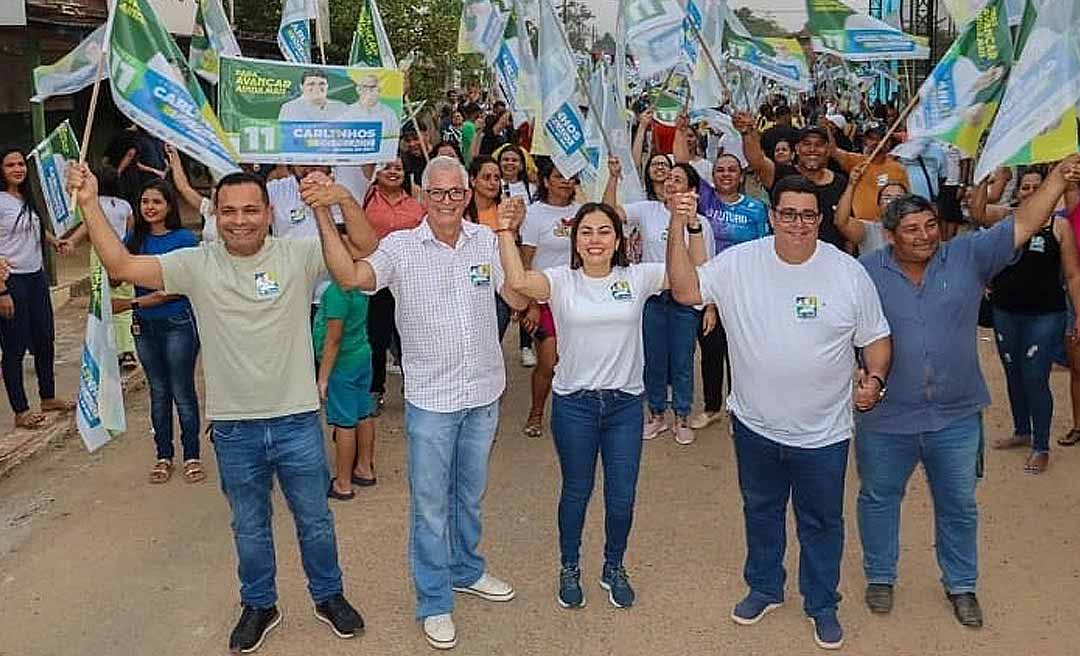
pixel 545 243
pixel 514 168
pixel 597 299
pixel 26 314
pixel 670 328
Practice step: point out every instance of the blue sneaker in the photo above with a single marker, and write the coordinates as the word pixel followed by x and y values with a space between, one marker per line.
pixel 614 580
pixel 570 594
pixel 828 634
pixel 751 609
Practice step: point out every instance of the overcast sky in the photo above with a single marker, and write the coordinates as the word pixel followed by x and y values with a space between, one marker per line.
pixel 789 13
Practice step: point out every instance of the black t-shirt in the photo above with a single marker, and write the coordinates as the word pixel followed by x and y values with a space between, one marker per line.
pixel 828 198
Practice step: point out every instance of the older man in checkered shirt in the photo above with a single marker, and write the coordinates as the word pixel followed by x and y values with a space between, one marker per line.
pixel 443 275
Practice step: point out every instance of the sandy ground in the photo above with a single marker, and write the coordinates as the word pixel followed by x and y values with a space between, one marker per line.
pixel 95 561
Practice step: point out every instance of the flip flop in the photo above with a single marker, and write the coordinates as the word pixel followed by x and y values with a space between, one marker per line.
pixel 334 494
pixel 1037 463
pixel 161 472
pixel 1070 439
pixel 29 419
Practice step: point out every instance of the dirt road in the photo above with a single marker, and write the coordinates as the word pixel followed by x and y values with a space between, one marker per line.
pixel 94 561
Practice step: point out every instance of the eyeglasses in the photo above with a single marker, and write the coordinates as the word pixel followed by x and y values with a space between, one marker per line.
pixel 790 216
pixel 454 194
pixel 660 164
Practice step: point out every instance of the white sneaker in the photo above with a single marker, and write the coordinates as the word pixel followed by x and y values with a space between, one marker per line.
pixel 703 419
pixel 654 425
pixel 528 357
pixel 440 632
pixel 490 588
pixel 684 435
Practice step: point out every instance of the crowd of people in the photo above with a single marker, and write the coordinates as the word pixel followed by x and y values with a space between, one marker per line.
pixel 806 256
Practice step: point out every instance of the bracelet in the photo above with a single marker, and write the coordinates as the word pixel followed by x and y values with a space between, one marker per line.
pixel 5 292
pixel 694 230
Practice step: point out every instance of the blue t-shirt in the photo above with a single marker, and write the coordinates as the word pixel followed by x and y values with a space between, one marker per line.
pixel 732 223
pixel 159 245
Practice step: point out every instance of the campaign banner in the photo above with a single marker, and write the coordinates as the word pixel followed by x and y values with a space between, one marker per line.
pixel 839 30
pixel 305 114
pixel 211 38
pixel 370 45
pixel 781 60
pixel 99 414
pixel 481 29
pixel 294 32
pixel 655 34
pixel 51 159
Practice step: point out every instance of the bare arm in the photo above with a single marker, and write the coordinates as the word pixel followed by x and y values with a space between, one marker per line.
pixel 852 229
pixel 611 190
pixel 1032 213
pixel 679 149
pixel 877 358
pixel 681 273
pixel 997 186
pixel 143 270
pixel 755 154
pixel 638 147
pixel 981 212
pixel 180 179
pixel 1072 197
pixel 331 346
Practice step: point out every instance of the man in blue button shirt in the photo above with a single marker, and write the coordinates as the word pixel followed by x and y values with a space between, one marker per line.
pixel 930 292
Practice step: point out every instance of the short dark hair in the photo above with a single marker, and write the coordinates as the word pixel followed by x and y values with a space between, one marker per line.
pixel 893 183
pixel 693 180
pixel 903 207
pixel 619 258
pixel 793 184
pixel 471 110
pixel 312 72
pixel 242 178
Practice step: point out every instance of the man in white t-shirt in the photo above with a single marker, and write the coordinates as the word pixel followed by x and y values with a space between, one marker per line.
pixel 795 309
pixel 313 103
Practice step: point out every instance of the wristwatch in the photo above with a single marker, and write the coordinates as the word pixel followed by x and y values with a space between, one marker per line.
pixel 694 230
pixel 881 384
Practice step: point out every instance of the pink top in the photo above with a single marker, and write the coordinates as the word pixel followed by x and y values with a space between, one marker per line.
pixel 386 215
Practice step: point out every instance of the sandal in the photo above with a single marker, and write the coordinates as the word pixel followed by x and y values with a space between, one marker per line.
pixel 193 471
pixel 29 420
pixel 128 362
pixel 1037 463
pixel 1071 439
pixel 332 493
pixel 161 472
pixel 57 405
pixel 534 427
pixel 1011 442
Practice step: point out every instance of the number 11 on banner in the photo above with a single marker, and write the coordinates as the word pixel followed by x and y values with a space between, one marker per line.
pixel 259 139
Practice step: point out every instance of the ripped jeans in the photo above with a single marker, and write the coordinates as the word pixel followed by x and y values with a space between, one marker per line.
pixel 1027 344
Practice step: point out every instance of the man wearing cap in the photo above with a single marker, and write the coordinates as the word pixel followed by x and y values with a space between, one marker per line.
pixel 883 169
pixel 812 148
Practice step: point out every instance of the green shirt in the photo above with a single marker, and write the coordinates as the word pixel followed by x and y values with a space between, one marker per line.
pixel 468 133
pixel 351 308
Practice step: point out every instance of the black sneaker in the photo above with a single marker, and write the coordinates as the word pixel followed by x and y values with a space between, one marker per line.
pixel 615 581
pixel 341 616
pixel 879 598
pixel 252 628
pixel 570 593
pixel 967 610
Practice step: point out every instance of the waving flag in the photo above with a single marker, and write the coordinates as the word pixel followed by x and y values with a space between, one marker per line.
pixel 211 38
pixel 100 412
pixel 705 87
pixel 957 102
pixel 73 72
pixel 370 45
pixel 481 29
pixel 294 33
pixel 655 34
pixel 564 126
pixel 839 30
pixel 515 70
pixel 153 86
pixel 1037 118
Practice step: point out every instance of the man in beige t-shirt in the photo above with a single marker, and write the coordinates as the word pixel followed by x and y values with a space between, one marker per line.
pixel 250 293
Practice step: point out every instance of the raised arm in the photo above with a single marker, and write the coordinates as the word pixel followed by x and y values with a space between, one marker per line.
pixel 142 270
pixel 680 149
pixel 319 192
pixel 681 272
pixel 755 154
pixel 521 285
pixel 849 226
pixel 1033 212
pixel 638 148
pixel 981 211
pixel 611 190
pixel 180 179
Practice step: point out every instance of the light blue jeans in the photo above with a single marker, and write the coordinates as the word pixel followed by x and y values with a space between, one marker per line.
pixel 885 462
pixel 448 468
pixel 249 453
pixel 669 331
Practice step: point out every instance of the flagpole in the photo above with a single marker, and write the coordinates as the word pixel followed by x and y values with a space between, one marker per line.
pixel 709 56
pixel 587 92
pixel 899 119
pixel 319 37
pixel 93 106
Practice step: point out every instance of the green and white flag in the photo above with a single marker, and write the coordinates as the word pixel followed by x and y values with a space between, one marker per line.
pixel 655 31
pixel 211 37
pixel 51 159
pixel 839 30
pixel 963 11
pixel 370 45
pixel 959 99
pixel 73 72
pixel 294 32
pixel 705 87
pixel 152 85
pixel 563 125
pixel 481 29
pixel 100 412
pixel 515 70
pixel 1037 118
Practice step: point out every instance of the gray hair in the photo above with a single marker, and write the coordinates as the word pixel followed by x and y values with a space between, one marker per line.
pixel 902 207
pixel 445 163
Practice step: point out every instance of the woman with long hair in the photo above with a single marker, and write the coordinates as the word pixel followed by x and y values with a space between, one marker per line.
pixel 513 164
pixel 597 298
pixel 26 314
pixel 545 243
pixel 165 335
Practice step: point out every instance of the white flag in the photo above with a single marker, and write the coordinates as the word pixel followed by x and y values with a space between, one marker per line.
pixel 481 29
pixel 654 31
pixel 294 33
pixel 211 38
pixel 74 71
pixel 564 127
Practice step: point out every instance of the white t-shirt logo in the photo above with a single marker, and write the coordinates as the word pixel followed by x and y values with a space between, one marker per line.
pixel 480 275
pixel 621 291
pixel 806 307
pixel 266 285
pixel 296 215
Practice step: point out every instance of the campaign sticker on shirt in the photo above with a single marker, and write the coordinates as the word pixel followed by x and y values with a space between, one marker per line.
pixel 480 275
pixel 266 285
pixel 620 290
pixel 806 307
pixel 297 215
pixel 1038 244
pixel 882 179
pixel 562 230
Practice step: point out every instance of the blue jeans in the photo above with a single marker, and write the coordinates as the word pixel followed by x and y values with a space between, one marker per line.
pixel 31 329
pixel 584 424
pixel 448 468
pixel 167 349
pixel 249 453
pixel 669 330
pixel 1027 344
pixel 885 462
pixel 770 473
